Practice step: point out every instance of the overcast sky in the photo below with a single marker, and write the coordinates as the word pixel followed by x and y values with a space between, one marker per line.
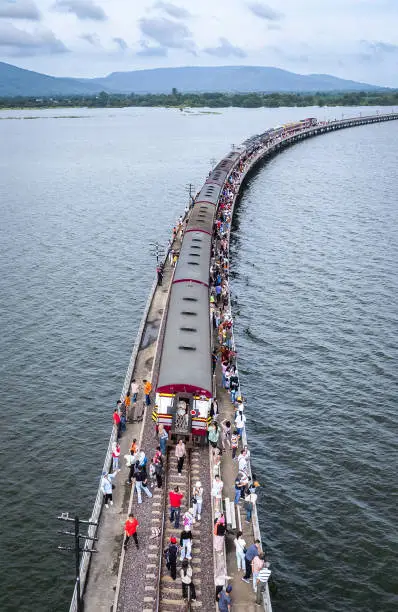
pixel 355 39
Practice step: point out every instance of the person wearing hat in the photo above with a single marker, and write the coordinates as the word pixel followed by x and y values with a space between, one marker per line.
pixel 225 600
pixel 197 500
pixel 171 554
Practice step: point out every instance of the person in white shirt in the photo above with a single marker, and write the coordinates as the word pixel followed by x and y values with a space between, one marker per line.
pixel 197 500
pixel 240 547
pixel 216 492
pixel 242 462
pixel 240 421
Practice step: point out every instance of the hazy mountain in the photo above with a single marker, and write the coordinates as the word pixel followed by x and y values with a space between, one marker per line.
pixel 224 79
pixel 19 82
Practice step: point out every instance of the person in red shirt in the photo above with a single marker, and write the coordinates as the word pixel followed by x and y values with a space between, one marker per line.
pixel 175 498
pixel 130 530
pixel 117 421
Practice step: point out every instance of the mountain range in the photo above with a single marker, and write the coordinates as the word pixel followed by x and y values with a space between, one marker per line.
pixel 16 81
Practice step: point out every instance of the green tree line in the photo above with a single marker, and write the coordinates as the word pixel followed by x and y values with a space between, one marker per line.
pixel 210 100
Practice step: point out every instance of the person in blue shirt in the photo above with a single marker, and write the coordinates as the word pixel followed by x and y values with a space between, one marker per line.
pixel 251 552
pixel 224 600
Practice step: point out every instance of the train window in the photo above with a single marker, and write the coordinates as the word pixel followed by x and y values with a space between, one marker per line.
pixel 188 329
pixel 193 246
pixel 187 348
pixel 196 239
pixel 193 263
pixel 189 299
pixel 189 313
pixel 194 254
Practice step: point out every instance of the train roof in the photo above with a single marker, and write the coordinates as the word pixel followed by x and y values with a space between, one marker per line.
pixel 185 364
pixel 201 218
pixel 209 193
pixel 194 260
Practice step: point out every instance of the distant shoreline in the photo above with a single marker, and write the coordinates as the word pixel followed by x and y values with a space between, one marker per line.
pixel 203 100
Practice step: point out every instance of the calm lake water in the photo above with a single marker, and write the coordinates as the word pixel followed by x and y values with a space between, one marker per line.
pixel 315 255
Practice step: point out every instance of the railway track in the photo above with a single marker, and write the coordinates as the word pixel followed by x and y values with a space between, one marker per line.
pixel 169 590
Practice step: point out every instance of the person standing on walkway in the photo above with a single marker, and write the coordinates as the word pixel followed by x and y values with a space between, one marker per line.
pixel 107 487
pixel 225 600
pixel 243 462
pixel 180 454
pixel 240 421
pixel 116 419
pixel 141 482
pixel 220 529
pixel 262 580
pixel 197 500
pixel 233 385
pixel 225 433
pixel 163 437
pixel 213 434
pixel 186 543
pixel 171 554
pixel 175 498
pixel 115 457
pixel 134 391
pixel 158 462
pixel 240 548
pixel 250 501
pixel 130 530
pixel 188 518
pixel 216 492
pixel 251 552
pixel 188 587
pixel 147 391
pixel 257 565
pixel 126 411
pixel 234 443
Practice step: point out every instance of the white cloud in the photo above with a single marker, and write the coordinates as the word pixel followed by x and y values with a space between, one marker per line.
pixel 19 9
pixel 83 9
pixel 18 42
pixel 307 36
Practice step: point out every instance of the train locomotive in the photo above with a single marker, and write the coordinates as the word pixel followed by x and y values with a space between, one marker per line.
pixel 185 383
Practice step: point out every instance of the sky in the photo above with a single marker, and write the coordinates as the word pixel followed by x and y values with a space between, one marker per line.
pixel 353 39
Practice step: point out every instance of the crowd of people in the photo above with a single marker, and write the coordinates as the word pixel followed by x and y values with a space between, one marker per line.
pixel 224 436
pixel 227 435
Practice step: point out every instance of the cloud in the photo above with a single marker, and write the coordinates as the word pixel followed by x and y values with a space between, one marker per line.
pixel 14 41
pixel 225 49
pixel 148 51
pixel 174 11
pixel 121 43
pixel 377 46
pixel 19 9
pixel 264 11
pixel 167 33
pixel 92 39
pixel 83 9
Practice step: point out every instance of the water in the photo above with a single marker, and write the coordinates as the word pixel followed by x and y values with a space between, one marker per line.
pixel 81 198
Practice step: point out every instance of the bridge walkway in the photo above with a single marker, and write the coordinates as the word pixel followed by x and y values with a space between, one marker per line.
pixel 103 573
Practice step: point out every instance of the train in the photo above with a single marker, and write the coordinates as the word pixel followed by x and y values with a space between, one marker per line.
pixel 185 383
pixel 184 388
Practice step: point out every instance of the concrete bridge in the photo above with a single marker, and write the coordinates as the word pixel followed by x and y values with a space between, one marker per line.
pixel 101 586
